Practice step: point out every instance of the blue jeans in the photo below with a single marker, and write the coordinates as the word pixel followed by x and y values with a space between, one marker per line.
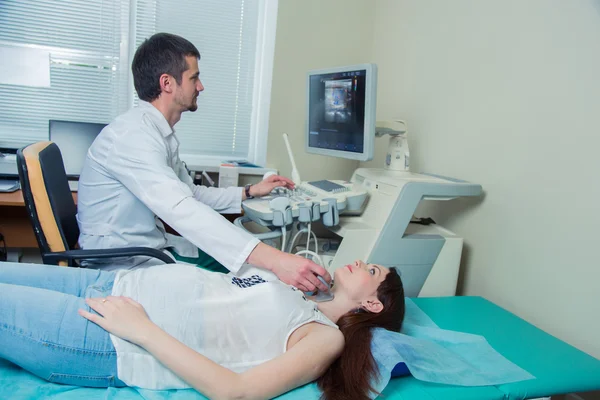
pixel 41 331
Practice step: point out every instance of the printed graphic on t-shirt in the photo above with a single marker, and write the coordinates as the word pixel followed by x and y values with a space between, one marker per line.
pixel 247 282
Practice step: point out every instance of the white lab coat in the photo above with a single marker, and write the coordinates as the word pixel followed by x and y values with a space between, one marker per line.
pixel 133 176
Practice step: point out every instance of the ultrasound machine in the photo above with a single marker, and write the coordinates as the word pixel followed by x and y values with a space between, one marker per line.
pixel 368 217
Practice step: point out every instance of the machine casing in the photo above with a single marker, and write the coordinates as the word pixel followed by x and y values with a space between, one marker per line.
pixel 427 257
pixel 379 231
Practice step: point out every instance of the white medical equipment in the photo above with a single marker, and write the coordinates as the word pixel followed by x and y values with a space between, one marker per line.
pixel 428 257
pixel 398 155
pixel 369 215
pixel 308 202
pixel 295 175
pixel 380 232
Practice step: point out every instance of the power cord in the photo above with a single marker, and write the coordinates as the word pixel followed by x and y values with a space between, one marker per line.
pixel 308 240
pixel 313 254
pixel 309 232
pixel 283 238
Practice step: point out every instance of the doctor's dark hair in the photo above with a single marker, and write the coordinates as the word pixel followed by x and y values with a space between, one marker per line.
pixel 350 376
pixel 162 53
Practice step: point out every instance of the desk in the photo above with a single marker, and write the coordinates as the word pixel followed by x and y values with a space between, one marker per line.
pixel 14 221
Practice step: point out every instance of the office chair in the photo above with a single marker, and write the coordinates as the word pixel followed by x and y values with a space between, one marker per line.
pixel 52 211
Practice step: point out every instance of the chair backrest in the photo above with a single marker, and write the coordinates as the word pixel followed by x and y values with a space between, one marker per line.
pixel 47 196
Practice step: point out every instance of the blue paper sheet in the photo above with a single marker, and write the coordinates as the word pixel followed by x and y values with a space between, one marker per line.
pixel 436 355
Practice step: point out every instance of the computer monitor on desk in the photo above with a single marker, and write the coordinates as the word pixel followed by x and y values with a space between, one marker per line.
pixel 73 139
pixel 341 111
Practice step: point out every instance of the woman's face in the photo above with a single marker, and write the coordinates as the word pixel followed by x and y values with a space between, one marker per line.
pixel 359 281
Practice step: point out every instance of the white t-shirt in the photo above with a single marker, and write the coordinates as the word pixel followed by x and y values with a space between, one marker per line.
pixel 236 321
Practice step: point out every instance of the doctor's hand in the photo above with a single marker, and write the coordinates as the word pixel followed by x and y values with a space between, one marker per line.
pixel 301 273
pixel 121 316
pixel 290 268
pixel 271 182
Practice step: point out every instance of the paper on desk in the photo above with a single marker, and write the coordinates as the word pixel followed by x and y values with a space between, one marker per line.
pixel 24 66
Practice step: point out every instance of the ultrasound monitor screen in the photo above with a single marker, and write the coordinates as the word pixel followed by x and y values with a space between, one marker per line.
pixel 74 139
pixel 341 111
pixel 337 118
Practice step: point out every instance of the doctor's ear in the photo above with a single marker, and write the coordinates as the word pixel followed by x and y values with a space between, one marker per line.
pixel 166 82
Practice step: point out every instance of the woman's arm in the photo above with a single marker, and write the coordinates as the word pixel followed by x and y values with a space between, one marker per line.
pixel 304 362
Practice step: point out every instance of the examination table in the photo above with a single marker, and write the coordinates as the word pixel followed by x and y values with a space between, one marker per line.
pixel 558 367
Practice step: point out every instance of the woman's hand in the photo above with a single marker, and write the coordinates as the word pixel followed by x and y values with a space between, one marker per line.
pixel 120 316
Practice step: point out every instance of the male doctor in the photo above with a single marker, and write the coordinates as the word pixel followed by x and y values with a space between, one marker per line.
pixel 133 176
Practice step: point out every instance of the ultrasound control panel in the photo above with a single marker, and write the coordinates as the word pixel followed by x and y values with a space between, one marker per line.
pixel 310 201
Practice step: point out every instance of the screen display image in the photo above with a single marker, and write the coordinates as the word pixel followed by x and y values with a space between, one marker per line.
pixel 338 101
pixel 337 111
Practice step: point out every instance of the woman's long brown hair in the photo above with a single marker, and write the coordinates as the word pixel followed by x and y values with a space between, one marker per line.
pixel 349 377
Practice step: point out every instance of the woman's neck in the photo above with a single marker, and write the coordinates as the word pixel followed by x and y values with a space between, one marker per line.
pixel 337 307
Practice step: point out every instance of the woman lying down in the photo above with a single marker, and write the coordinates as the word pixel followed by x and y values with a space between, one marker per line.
pixel 177 326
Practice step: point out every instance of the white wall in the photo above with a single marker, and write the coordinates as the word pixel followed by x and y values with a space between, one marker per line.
pixel 507 94
pixel 312 34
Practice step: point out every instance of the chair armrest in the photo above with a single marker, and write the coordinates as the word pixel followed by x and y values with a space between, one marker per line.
pixel 107 253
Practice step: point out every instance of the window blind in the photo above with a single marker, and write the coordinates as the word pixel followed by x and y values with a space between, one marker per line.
pixel 91 44
pixel 225 33
pixel 88 73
